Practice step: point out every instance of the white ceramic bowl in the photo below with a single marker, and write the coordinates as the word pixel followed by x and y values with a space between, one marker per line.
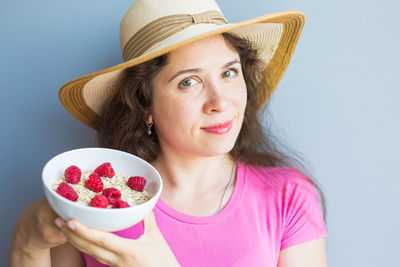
pixel 89 159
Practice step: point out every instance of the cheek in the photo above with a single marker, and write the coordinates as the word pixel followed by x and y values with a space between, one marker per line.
pixel 240 98
pixel 174 116
pixel 244 98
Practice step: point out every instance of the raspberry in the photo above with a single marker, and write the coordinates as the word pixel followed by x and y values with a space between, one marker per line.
pixel 112 194
pixel 94 183
pixel 67 191
pixel 105 170
pixel 72 174
pixel 136 183
pixel 120 204
pixel 99 201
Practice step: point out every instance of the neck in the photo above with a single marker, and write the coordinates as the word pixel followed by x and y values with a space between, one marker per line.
pixel 194 176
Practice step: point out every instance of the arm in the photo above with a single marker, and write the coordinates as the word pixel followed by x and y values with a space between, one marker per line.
pixel 308 254
pixel 36 236
pixel 150 249
pixel 66 255
pixel 62 256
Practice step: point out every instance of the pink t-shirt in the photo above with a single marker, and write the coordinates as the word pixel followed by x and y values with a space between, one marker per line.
pixel 270 209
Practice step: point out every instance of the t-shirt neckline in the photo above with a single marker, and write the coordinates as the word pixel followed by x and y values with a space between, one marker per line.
pixel 191 219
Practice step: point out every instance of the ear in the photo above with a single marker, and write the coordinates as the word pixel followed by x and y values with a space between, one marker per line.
pixel 150 119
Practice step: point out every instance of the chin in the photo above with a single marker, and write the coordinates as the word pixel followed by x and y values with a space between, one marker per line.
pixel 217 148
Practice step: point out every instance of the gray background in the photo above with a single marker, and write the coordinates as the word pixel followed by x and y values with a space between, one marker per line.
pixel 337 104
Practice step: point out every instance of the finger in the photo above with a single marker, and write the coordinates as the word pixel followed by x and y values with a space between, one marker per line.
pixel 103 239
pixel 59 223
pixel 99 253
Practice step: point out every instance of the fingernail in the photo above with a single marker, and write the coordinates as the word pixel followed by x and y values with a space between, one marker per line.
pixel 61 233
pixel 58 222
pixel 71 226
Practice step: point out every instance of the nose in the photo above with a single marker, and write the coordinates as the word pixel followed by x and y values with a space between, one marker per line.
pixel 217 99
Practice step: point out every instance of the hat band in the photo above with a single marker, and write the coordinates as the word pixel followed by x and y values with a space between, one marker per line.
pixel 162 28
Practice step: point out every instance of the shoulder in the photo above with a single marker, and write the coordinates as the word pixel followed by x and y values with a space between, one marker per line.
pixel 288 200
pixel 281 179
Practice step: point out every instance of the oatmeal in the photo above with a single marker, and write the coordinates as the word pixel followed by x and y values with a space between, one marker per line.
pixel 122 183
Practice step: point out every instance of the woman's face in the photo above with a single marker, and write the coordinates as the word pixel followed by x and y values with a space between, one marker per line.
pixel 199 99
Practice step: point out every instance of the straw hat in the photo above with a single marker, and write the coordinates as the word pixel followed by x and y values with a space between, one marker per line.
pixel 151 28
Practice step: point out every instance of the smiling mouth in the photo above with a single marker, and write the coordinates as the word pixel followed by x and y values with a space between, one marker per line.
pixel 220 128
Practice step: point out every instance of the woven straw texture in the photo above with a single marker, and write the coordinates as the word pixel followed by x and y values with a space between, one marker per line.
pixel 177 23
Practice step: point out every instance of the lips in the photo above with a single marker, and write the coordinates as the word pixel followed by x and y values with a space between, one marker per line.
pixel 219 128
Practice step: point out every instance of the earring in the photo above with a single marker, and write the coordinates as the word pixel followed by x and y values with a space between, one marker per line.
pixel 149 124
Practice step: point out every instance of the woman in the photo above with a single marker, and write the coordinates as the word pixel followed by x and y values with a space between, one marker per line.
pixel 190 106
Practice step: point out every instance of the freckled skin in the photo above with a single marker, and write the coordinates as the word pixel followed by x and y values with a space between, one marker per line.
pixel 213 94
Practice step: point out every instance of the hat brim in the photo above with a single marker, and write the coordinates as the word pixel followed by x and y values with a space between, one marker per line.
pixel 83 97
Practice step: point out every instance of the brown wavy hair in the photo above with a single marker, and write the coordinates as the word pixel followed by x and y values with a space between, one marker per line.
pixel 122 124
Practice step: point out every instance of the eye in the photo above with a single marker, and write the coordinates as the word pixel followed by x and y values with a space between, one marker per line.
pixel 188 83
pixel 229 73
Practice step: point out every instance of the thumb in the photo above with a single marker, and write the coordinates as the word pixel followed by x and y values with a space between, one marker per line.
pixel 149 223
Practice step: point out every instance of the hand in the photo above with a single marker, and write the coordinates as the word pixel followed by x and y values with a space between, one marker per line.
pixel 150 249
pixel 35 230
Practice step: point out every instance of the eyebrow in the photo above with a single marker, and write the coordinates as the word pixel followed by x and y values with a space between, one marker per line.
pixel 230 63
